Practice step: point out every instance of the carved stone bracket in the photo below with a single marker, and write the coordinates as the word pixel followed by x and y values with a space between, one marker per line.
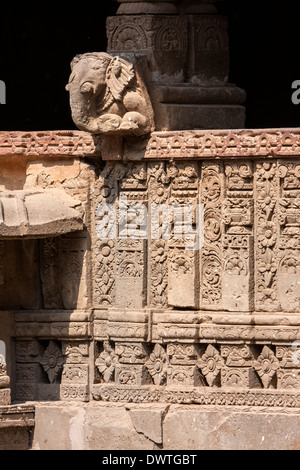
pixel 107 96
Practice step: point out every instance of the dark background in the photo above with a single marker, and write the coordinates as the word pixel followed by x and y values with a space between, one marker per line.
pixel 38 41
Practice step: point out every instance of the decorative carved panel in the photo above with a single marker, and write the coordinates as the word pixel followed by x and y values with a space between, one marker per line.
pixel 184 286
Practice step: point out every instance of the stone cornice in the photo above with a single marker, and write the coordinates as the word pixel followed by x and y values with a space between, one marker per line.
pixel 221 144
pixel 168 145
pixel 49 143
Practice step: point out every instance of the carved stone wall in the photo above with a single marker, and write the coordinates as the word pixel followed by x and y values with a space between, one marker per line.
pixel 219 323
pixel 183 286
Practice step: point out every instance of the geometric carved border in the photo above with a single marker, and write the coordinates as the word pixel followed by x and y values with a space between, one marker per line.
pixel 192 395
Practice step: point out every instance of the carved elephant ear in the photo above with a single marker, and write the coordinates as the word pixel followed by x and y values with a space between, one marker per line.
pixel 119 75
pixel 74 62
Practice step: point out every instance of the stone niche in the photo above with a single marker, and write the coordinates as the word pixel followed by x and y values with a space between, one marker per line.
pixel 44 250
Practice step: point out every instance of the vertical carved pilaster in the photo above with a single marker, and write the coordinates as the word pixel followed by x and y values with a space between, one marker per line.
pixel 106 192
pixel 75 291
pixel 159 192
pixel 131 247
pixel 237 282
pixel 266 236
pixel 289 240
pixel 50 273
pixel 183 256
pixel 75 374
pixel 212 193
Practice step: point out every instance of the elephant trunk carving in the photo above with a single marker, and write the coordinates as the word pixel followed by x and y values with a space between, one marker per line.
pixel 83 109
pixel 107 96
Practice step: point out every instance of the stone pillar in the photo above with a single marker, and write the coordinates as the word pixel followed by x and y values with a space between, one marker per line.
pixel 182 49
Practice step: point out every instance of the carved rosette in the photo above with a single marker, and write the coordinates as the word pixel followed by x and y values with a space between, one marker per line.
pixel 106 362
pixel 52 362
pixel 157 365
pixel 211 364
pixel 266 365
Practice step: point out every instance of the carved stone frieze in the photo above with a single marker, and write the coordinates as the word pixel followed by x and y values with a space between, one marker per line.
pixel 198 395
pixel 203 144
pixel 184 285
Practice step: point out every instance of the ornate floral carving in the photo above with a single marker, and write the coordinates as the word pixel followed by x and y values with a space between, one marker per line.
pixel 211 279
pixel 106 362
pixel 132 353
pixel 266 234
pixel 128 37
pixel 52 362
pixel 211 197
pixel 288 379
pixel 211 364
pixel 235 265
pixel 157 365
pixel 266 365
pixel 184 354
pixel 105 282
pixel 237 355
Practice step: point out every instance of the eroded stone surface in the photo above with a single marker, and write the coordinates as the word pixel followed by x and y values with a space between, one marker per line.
pixel 186 428
pixel 38 213
pixel 16 426
pixel 148 421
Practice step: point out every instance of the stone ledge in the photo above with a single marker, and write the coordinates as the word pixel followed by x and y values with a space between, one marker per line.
pixel 17 415
pixel 117 426
pixel 53 324
pixel 202 144
pixel 16 426
pixel 50 143
pixel 197 395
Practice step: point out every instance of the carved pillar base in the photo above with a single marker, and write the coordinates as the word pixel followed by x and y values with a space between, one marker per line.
pixel 182 50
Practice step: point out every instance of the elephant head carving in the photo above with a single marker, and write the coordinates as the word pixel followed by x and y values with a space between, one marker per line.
pixel 107 96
